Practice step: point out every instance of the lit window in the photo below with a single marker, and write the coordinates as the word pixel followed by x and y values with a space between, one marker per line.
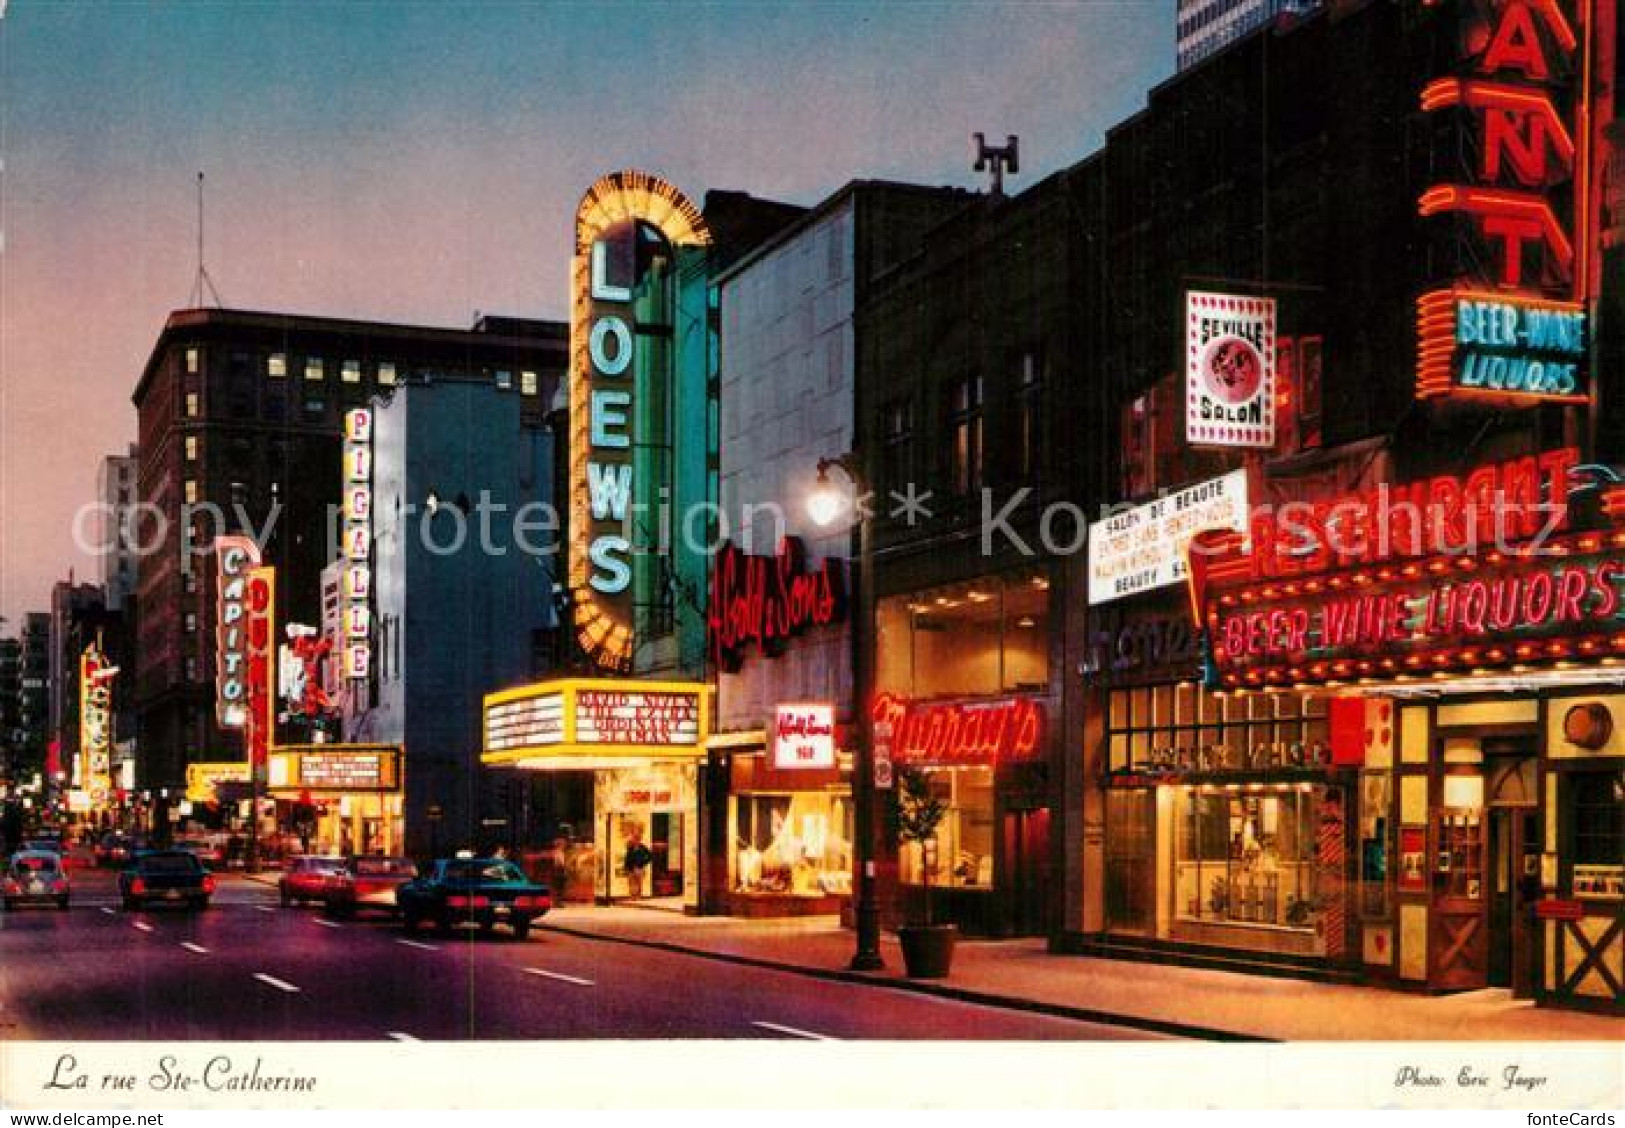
pixel 191 622
pixel 313 368
pixel 386 375
pixel 351 373
pixel 191 360
pixel 191 491
pixel 191 448
pixel 504 379
pixel 527 383
pixel 276 364
pixel 191 669
pixel 965 435
pixel 191 405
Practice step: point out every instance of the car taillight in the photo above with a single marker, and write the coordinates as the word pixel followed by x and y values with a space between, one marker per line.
pixel 542 902
pixel 60 885
pixel 208 883
pixel 457 902
pixel 10 886
pixel 138 886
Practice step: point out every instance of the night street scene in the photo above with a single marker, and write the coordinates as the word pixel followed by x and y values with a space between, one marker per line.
pixel 1053 523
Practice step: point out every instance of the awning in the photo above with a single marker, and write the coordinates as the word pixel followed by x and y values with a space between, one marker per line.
pixel 583 724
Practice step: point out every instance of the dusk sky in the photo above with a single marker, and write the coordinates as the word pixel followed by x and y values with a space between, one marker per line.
pixel 417 162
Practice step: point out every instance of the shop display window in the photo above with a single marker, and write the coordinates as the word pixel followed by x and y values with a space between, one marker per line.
pixel 1186 728
pixel 960 854
pixel 1458 867
pixel 1596 802
pixel 797 844
pixel 982 637
pixel 1247 857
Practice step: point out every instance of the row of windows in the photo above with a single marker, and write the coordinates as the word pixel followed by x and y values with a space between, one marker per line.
pixel 350 371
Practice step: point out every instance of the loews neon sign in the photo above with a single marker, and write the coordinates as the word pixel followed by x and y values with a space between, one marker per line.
pixel 1517 329
pixel 616 215
pixel 768 600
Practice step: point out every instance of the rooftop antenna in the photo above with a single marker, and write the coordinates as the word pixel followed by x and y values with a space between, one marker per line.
pixel 996 161
pixel 202 285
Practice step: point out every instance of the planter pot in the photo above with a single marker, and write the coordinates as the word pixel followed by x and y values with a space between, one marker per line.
pixel 928 949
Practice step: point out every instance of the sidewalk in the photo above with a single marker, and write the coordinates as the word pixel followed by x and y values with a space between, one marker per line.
pixel 1194 1002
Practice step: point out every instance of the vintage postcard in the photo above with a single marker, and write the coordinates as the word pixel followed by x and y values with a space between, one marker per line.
pixel 906 544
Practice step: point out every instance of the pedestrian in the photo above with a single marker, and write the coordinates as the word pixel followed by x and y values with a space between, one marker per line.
pixel 637 860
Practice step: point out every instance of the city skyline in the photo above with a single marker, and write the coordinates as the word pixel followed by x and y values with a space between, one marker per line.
pixel 326 133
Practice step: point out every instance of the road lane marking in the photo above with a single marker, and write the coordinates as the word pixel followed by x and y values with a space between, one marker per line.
pixel 265 908
pixel 327 923
pixel 143 926
pixel 560 976
pixel 191 947
pixel 279 984
pixel 794 1032
pixel 399 1037
pixel 108 911
pixel 419 944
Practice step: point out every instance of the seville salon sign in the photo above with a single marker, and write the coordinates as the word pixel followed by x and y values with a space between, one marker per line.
pixel 767 600
pixel 1511 325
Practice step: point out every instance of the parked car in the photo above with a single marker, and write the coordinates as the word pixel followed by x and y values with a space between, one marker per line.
pixel 207 850
pixel 35 877
pixel 482 891
pixel 114 849
pixel 309 877
pixel 369 882
pixel 166 876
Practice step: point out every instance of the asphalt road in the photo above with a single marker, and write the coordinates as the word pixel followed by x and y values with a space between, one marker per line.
pixel 247 969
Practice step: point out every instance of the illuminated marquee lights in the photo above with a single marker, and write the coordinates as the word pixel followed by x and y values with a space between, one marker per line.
pixel 357 616
pixel 602 383
pixel 1527 203
pixel 96 724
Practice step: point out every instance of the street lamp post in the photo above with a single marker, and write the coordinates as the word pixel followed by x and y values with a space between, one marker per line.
pixel 824 506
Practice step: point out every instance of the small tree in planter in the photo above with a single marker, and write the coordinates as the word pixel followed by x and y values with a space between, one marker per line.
pixel 928 948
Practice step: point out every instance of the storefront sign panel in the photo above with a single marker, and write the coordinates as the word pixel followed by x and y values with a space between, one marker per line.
pixel 637 717
pixel 950 733
pixel 804 737
pixel 1144 548
pixel 1453 612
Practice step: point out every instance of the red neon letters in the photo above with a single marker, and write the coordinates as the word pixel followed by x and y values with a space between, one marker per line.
pixel 766 600
pixel 954 732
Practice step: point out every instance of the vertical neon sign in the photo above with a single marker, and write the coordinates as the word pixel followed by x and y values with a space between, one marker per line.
pixel 358 543
pixel 1516 328
pixel 614 216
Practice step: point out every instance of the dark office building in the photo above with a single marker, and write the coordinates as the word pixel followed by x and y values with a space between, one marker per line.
pixel 244 411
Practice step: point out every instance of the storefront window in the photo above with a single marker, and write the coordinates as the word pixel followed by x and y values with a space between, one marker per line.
pixel 982 637
pixel 1246 857
pixel 1375 798
pixel 960 855
pixel 796 844
pixel 1187 728
pixel 1597 813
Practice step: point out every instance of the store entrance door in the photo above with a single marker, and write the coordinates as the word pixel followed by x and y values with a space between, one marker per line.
pixel 666 844
pixel 1026 853
pixel 1514 873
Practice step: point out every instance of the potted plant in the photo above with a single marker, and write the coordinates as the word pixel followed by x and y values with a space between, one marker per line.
pixel 928 947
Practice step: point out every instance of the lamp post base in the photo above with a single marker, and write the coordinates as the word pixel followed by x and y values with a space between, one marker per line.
pixel 867 957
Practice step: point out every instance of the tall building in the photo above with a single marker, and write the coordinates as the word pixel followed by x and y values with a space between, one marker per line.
pixel 1208 26
pixel 241 418
pixel 115 493
pixel 11 705
pixel 78 617
pixel 34 710
pixel 456 614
